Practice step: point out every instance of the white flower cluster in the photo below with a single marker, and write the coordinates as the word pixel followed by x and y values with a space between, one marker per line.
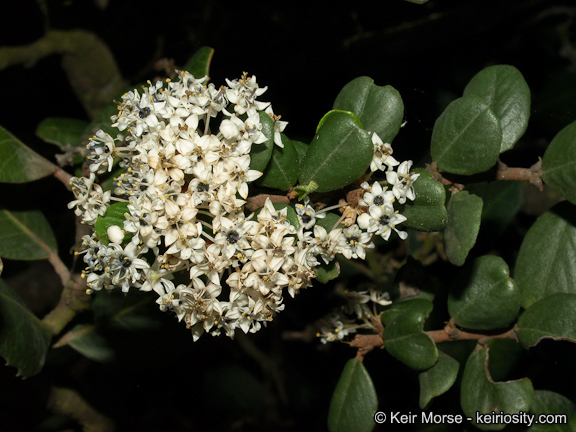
pixel 185 234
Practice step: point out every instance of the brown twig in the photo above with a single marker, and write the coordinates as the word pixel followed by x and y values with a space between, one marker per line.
pixel 366 343
pixel 452 333
pixel 258 201
pixel 532 175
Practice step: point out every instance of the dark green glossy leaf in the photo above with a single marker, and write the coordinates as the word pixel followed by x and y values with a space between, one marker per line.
pixel 24 341
pixel 338 155
pixel 502 201
pixel 464 213
pixel 483 296
pixel 548 402
pixel 62 131
pixel 260 154
pixel 114 216
pixel 427 212
pixel 405 339
pixel 559 163
pixel 19 163
pixel 332 112
pixel 550 318
pixel 25 235
pixel 504 357
pixel 327 272
pixel 505 91
pixel 282 170
pixel 354 401
pixel 438 379
pixel 301 149
pixel 466 137
pixel 545 263
pixel 380 109
pixel 480 394
pixel 423 306
pixel 199 63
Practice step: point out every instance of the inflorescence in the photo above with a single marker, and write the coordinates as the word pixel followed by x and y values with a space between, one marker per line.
pixel 185 234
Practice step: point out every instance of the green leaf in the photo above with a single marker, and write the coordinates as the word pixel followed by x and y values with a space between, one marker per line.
pixel 502 201
pixel 464 213
pixel 559 163
pixel 548 402
pixel 116 317
pixel 26 235
pixel 282 171
pixel 466 137
pixel 114 216
pixel 301 149
pixel 505 91
pixel 427 212
pixel 85 339
pixel 24 341
pixel 545 263
pixel 338 155
pixel 480 394
pixel 332 112
pixel 504 357
pixel 62 131
pixel 380 109
pixel 438 379
pixel 422 305
pixel 199 63
pixel 549 318
pixel 327 272
pixel 483 296
pixel 405 340
pixel 260 154
pixel 354 401
pixel 304 190
pixel 19 163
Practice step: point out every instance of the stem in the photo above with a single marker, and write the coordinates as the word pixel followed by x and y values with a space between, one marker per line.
pixel 72 300
pixel 69 403
pixel 258 201
pixel 532 175
pixel 63 176
pixel 325 209
pixel 452 333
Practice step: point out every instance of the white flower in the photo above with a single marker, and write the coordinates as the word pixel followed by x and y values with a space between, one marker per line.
pixel 381 221
pixel 354 242
pixel 402 182
pixel 382 159
pixel 376 195
pixel 307 215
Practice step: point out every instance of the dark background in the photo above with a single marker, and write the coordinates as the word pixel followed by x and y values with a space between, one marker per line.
pixel 304 53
